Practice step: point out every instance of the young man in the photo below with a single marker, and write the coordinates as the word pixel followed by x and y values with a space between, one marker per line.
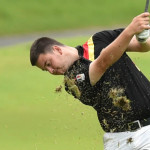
pixel 111 83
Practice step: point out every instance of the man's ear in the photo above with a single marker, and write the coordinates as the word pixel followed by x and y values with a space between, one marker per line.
pixel 57 49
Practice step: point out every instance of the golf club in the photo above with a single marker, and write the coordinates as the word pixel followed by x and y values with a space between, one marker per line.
pixel 143 36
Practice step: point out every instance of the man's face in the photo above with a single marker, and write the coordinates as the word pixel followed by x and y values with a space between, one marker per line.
pixel 53 62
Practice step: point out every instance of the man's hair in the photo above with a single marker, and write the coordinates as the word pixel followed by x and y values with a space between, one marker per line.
pixel 41 46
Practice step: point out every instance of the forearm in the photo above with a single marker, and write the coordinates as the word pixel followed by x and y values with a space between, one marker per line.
pixel 115 50
pixel 144 47
pixel 109 56
pixel 136 46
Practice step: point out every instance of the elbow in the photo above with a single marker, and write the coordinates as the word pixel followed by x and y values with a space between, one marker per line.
pixel 106 62
pixel 103 65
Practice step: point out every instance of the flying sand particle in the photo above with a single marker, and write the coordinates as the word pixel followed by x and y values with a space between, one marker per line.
pixel 129 140
pixel 118 100
pixel 122 102
pixel 72 87
pixel 58 89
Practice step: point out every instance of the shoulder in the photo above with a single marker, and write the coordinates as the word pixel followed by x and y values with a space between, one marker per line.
pixel 107 34
pixel 92 47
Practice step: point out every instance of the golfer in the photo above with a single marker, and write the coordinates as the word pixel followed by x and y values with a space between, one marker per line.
pixel 111 83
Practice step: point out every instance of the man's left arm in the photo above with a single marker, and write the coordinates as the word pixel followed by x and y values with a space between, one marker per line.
pixel 135 46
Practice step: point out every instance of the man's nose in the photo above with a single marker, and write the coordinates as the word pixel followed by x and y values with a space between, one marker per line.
pixel 50 70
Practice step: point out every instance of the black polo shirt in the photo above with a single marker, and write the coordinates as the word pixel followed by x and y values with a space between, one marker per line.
pixel 122 95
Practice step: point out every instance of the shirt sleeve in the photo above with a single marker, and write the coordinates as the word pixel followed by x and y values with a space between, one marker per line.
pixel 103 39
pixel 93 46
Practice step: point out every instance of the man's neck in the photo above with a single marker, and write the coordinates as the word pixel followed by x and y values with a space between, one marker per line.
pixel 72 55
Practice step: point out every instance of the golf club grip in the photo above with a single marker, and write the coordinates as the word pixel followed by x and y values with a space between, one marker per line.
pixel 143 36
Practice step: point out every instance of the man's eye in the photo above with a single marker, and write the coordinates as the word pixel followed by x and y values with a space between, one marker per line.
pixel 48 65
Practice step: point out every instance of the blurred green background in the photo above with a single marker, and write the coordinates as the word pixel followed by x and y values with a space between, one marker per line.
pixel 33 116
pixel 22 16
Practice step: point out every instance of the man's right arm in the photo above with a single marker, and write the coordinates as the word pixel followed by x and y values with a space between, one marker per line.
pixel 115 50
pixel 136 46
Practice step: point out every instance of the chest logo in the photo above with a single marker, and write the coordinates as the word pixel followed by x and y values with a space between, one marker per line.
pixel 80 77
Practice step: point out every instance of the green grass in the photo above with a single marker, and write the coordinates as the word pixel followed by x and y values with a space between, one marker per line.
pixel 50 15
pixel 142 61
pixel 34 117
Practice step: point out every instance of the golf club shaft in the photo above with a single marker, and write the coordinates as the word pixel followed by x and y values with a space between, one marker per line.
pixel 146 6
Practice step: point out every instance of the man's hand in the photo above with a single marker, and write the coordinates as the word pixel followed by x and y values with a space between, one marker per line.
pixel 139 23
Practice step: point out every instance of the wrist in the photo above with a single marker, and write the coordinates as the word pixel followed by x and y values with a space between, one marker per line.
pixel 129 31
